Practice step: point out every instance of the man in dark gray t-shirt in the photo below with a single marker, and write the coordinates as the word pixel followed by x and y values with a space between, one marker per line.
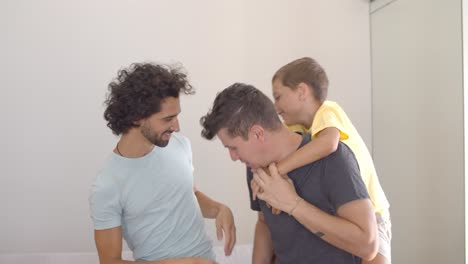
pixel 326 215
pixel 327 183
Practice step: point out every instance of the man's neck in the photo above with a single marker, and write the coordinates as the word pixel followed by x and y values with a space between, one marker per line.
pixel 133 145
pixel 286 142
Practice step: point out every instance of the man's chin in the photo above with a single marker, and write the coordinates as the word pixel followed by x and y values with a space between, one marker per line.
pixel 161 143
pixel 251 166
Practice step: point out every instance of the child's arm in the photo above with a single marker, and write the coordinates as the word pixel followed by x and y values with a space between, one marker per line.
pixel 322 145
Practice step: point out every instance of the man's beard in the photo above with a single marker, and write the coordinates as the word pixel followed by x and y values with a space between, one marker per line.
pixel 155 139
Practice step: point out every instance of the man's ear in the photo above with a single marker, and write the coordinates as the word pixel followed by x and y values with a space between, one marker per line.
pixel 257 132
pixel 138 123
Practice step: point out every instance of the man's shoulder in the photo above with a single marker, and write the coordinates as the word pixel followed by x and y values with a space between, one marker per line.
pixel 105 177
pixel 104 187
pixel 111 172
pixel 306 138
pixel 343 150
pixel 342 155
pixel 179 139
pixel 342 159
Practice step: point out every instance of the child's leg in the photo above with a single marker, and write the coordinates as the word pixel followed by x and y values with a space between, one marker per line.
pixel 384 226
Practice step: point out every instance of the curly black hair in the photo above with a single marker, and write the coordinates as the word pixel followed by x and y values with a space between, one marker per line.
pixel 137 93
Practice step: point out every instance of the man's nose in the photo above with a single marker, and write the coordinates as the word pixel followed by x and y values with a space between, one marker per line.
pixel 234 155
pixel 175 125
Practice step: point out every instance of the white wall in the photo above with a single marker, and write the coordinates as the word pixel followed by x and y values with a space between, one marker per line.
pixel 465 109
pixel 59 56
pixel 418 126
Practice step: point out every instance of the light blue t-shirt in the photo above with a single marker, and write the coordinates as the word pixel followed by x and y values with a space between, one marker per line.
pixel 152 199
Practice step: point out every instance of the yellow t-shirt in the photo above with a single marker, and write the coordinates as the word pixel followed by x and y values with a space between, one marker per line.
pixel 330 114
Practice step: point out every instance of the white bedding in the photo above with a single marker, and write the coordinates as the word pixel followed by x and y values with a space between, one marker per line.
pixel 242 254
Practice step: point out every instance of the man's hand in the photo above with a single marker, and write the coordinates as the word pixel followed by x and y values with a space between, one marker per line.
pixel 225 224
pixel 256 190
pixel 278 191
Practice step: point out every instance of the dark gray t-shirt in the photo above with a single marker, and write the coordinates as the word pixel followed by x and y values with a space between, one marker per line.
pixel 327 184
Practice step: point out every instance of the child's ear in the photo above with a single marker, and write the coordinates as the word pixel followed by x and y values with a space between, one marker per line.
pixel 303 90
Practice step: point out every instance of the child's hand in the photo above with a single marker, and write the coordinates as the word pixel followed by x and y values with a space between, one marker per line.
pixel 256 190
pixel 280 167
pixel 273 210
pixel 278 191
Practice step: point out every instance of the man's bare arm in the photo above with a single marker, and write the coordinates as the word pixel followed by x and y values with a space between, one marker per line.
pixel 109 247
pixel 225 226
pixel 354 228
pixel 263 246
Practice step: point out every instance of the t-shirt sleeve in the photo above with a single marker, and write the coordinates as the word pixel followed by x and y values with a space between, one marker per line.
pixel 188 151
pixel 341 178
pixel 254 205
pixel 329 117
pixel 106 211
pixel 190 160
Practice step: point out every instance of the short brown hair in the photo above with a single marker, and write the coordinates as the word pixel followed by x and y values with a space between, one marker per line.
pixel 237 108
pixel 305 70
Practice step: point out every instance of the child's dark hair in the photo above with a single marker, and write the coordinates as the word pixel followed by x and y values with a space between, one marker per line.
pixel 304 70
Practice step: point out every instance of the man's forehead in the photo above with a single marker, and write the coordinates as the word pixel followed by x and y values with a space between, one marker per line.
pixel 225 138
pixel 222 135
pixel 169 107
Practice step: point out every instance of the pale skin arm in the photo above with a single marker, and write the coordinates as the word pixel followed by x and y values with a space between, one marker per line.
pixel 263 246
pixel 354 229
pixel 109 247
pixel 224 220
pixel 324 144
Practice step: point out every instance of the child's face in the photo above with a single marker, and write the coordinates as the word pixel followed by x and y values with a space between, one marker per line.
pixel 287 102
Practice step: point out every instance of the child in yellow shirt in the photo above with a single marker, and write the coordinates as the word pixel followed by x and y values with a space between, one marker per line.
pixel 299 91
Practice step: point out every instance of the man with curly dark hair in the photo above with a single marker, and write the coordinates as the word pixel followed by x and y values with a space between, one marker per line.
pixel 145 192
